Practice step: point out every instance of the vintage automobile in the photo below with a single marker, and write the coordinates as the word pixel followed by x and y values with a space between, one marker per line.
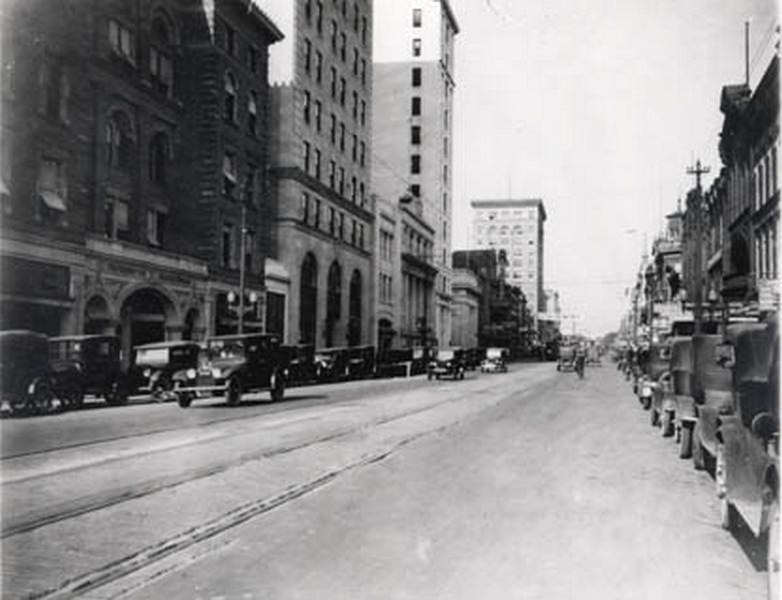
pixel 448 362
pixel 360 362
pixel 566 361
pixel 711 390
pixel 88 364
pixel 474 357
pixel 747 463
pixel 683 405
pixel 25 382
pixel 232 365
pixel 331 364
pixel 495 361
pixel 160 363
pixel 301 363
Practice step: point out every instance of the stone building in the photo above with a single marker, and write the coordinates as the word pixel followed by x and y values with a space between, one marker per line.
pixel 467 296
pixel 323 223
pixel 413 90
pixel 118 123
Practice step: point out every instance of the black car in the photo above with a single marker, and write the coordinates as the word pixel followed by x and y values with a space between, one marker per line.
pixel 448 362
pixel 301 362
pixel 159 364
pixel 88 364
pixel 25 382
pixel 232 365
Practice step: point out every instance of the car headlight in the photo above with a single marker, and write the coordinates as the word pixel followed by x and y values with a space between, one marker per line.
pixel 216 373
pixel 191 373
pixel 147 372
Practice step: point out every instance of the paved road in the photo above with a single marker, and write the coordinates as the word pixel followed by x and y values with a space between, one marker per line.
pixel 522 485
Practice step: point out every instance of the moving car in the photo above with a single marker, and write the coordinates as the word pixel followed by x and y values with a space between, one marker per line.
pixel 161 363
pixel 447 362
pixel 495 361
pixel 566 361
pixel 25 382
pixel 88 364
pixel 232 365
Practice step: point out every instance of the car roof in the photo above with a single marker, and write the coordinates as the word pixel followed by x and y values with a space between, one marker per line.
pixel 168 344
pixel 80 338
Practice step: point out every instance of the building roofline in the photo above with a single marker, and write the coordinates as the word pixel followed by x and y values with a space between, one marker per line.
pixel 510 203
pixel 451 16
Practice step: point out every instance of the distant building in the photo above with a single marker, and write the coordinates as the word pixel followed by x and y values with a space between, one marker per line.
pixel 413 89
pixel 515 227
pixel 324 221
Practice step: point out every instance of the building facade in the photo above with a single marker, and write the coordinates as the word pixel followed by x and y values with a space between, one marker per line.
pixel 515 228
pixel 111 222
pixel 324 218
pixel 413 88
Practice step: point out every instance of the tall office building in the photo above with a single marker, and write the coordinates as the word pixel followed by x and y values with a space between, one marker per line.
pixel 413 88
pixel 320 285
pixel 515 227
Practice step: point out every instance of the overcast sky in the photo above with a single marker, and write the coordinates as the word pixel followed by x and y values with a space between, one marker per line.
pixel 597 107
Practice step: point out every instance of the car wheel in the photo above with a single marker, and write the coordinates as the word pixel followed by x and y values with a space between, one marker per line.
pixel 666 425
pixel 184 399
pixel 685 444
pixel 42 398
pixel 772 551
pixel 114 396
pixel 233 391
pixel 277 385
pixel 73 395
pixel 461 373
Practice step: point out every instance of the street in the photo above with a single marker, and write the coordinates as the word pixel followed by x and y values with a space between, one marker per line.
pixel 530 484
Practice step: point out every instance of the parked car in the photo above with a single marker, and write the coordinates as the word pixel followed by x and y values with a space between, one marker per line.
pixel 159 364
pixel 360 362
pixel 331 364
pixel 88 364
pixel 495 361
pixel 474 357
pixel 232 365
pixel 711 390
pixel 683 403
pixel 25 382
pixel 747 463
pixel 658 367
pixel 301 362
pixel 447 362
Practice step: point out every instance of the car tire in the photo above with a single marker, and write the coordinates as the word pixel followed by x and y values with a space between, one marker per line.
pixel 233 391
pixel 772 551
pixel 277 386
pixel 461 373
pixel 114 396
pixel 685 443
pixel 184 399
pixel 41 400
pixel 72 395
pixel 666 424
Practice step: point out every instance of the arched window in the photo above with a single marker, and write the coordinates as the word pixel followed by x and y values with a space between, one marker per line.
pixel 354 321
pixel 308 298
pixel 158 158
pixel 161 66
pixel 252 113
pixel 119 140
pixel 333 300
pixel 230 97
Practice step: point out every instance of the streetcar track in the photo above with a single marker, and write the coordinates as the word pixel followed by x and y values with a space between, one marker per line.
pixel 148 487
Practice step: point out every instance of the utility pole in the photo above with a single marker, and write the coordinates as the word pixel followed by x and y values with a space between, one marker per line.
pixel 242 252
pixel 698 170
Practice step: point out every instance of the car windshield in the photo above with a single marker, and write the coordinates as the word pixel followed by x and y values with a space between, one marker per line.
pixel 151 357
pixel 494 353
pixel 445 355
pixel 225 349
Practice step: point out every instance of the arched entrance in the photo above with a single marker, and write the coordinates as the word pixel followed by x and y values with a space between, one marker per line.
pixel 308 298
pixel 143 319
pixel 333 301
pixel 97 316
pixel 193 328
pixel 354 320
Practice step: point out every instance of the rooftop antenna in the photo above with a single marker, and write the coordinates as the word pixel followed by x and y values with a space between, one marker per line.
pixel 746 51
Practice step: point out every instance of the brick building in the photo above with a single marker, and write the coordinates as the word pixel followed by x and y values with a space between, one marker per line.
pixel 324 219
pixel 121 207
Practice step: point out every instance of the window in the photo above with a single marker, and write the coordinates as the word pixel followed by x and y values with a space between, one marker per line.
pixel 334 32
pixel 121 41
pixel 416 17
pixel 355 17
pixel 354 148
pixel 252 59
pixel 307 107
pixel 319 17
pixel 416 76
pixel 332 174
pixel 250 183
pixel 363 117
pixel 363 155
pixel 364 31
pixel 318 113
pixel 249 249
pixel 415 135
pixel 227 246
pixel 445 174
pixel 307 56
pixel 308 10
pixel 415 106
pixel 355 61
pixel 229 107
pixel 316 213
pixel 318 66
pixel 343 47
pixel 305 208
pixel 306 157
pixel 445 146
pixel 51 186
pixel 119 141
pixel 158 158
pixel 333 130
pixel 156 226
pixel 116 218
pixel 355 106
pixel 160 62
pixel 353 189
pixel 354 233
pixel 230 40
pixel 317 164
pixel 333 83
pixel 415 190
pixel 229 174
pixel 415 164
pixel 341 181
pixel 55 92
pixel 342 137
pixel 342 91
pixel 361 194
pixel 341 226
pixel 417 47
pixel 332 220
pixel 252 114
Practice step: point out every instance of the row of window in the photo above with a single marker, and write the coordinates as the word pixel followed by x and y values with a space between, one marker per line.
pixel 502 241
pixel 491 215
pixel 766 178
pixel 504 230
pixel 231 104
pixel 386 245
pixel 232 46
pixel 245 187
pixel 416 244
pixel 313 14
pixel 123 43
pixel 117 221
pixel 766 251
pixel 331 220
pixel 336 180
pixel 230 247
pixel 314 63
pixel 312 113
pixel 386 288
pixel 120 148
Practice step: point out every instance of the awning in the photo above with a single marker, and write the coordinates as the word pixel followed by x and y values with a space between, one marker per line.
pixel 52 200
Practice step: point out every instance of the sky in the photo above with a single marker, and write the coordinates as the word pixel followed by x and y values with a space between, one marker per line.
pixel 597 107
